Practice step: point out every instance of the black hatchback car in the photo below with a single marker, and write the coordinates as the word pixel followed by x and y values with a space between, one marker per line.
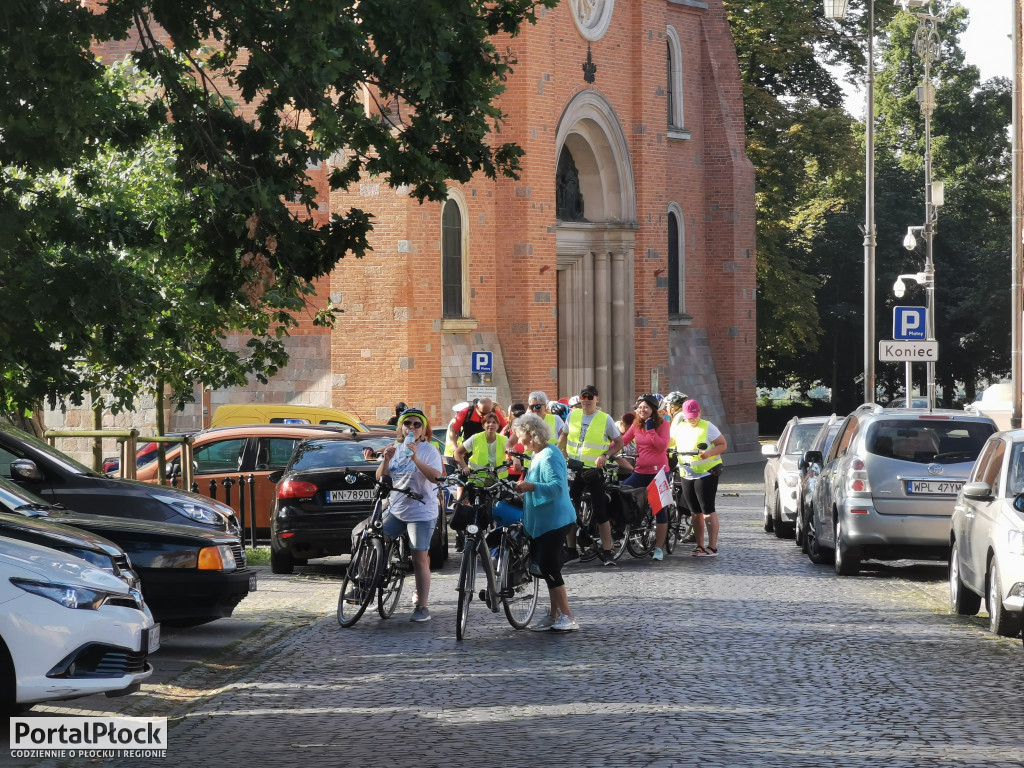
pixel 188 576
pixel 322 495
pixel 56 477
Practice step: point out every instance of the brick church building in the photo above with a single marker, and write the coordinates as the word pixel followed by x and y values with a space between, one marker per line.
pixel 623 256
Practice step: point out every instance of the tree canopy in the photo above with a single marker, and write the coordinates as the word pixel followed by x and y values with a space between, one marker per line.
pixel 809 158
pixel 148 210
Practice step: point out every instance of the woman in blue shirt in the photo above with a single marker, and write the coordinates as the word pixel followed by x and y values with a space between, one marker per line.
pixel 547 515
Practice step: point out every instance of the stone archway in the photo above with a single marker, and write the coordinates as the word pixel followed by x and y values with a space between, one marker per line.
pixel 595 253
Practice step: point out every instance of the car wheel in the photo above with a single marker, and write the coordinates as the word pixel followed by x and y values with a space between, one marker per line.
pixel 962 600
pixel 847 562
pixel 9 706
pixel 800 525
pixel 815 552
pixel 769 523
pixel 281 562
pixel 1000 621
pixel 783 528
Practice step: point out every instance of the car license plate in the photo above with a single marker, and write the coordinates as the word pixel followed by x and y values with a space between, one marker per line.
pixel 363 494
pixel 252 583
pixel 934 487
pixel 152 638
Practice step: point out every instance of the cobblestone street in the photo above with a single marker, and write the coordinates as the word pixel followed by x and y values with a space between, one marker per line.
pixel 754 658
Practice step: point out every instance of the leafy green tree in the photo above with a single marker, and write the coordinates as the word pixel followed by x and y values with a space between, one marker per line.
pixel 971 154
pixel 114 276
pixel 804 151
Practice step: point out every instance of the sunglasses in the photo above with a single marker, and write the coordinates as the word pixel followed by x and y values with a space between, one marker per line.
pixel 586 397
pixel 538 407
pixel 412 424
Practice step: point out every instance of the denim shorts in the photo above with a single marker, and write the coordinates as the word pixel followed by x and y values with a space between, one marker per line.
pixel 419 531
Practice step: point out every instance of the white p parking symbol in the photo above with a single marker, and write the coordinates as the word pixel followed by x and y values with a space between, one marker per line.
pixel 908 323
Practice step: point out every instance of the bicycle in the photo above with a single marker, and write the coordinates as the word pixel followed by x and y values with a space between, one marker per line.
pixel 588 537
pixel 510 584
pixel 378 566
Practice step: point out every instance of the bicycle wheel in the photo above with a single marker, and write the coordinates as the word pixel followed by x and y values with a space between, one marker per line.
pixel 361 579
pixel 394 578
pixel 640 541
pixel 620 539
pixel 467 585
pixel 588 540
pixel 673 534
pixel 517 585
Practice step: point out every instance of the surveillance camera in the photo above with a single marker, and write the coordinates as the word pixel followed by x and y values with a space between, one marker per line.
pixel 910 242
pixel 899 289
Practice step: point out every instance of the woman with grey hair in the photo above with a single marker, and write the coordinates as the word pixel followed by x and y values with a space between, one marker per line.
pixel 538 405
pixel 547 515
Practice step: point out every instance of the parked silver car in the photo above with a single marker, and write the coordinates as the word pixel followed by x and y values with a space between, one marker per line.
pixel 782 475
pixel 986 536
pixel 889 482
pixel 809 473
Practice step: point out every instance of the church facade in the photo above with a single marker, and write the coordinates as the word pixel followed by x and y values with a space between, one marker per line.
pixel 622 257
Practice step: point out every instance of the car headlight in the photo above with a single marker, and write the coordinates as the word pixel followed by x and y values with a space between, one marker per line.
pixel 190 508
pixel 68 595
pixel 219 558
pixel 1016 541
pixel 791 479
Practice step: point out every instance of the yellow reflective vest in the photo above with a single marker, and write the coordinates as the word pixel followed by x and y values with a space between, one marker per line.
pixel 587 447
pixel 687 438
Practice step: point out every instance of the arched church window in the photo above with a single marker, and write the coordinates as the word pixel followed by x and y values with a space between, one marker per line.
pixel 451 260
pixel 568 197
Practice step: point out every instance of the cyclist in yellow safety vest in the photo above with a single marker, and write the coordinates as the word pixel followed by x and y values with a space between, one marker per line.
pixel 484 449
pixel 592 439
pixel 699 473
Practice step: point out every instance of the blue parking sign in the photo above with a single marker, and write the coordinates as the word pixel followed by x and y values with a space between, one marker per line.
pixel 909 323
pixel 482 362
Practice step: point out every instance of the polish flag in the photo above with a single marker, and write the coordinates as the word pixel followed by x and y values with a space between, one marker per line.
pixel 659 493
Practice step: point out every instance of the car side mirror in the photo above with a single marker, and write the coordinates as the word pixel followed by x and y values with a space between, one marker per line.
pixel 275 476
pixel 771 450
pixel 26 469
pixel 1018 502
pixel 978 491
pixel 813 457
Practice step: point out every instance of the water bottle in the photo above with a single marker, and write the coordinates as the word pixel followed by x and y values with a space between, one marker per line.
pixel 409 440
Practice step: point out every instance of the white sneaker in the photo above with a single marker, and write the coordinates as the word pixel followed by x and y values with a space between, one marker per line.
pixel 565 623
pixel 546 622
pixel 658 554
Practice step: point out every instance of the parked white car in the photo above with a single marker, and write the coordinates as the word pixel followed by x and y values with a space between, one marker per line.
pixel 67 629
pixel 782 473
pixel 986 556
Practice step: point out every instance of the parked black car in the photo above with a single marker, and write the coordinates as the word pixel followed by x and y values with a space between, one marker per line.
pixel 323 493
pixel 188 576
pixel 43 470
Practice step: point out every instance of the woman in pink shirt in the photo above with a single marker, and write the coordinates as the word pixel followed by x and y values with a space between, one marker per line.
pixel 650 432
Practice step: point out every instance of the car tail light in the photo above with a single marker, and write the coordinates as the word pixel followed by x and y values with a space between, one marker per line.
pixel 296 489
pixel 857 477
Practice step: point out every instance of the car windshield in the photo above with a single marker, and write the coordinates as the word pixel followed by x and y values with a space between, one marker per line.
pixel 928 440
pixel 1015 480
pixel 332 454
pixel 802 438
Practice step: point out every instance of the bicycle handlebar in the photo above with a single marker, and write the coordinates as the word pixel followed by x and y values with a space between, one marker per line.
pixel 700 447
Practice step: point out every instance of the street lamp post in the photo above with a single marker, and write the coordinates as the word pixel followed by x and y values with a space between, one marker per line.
pixel 927 45
pixel 836 9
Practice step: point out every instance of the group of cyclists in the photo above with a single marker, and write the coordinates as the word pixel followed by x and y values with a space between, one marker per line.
pixel 536 445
